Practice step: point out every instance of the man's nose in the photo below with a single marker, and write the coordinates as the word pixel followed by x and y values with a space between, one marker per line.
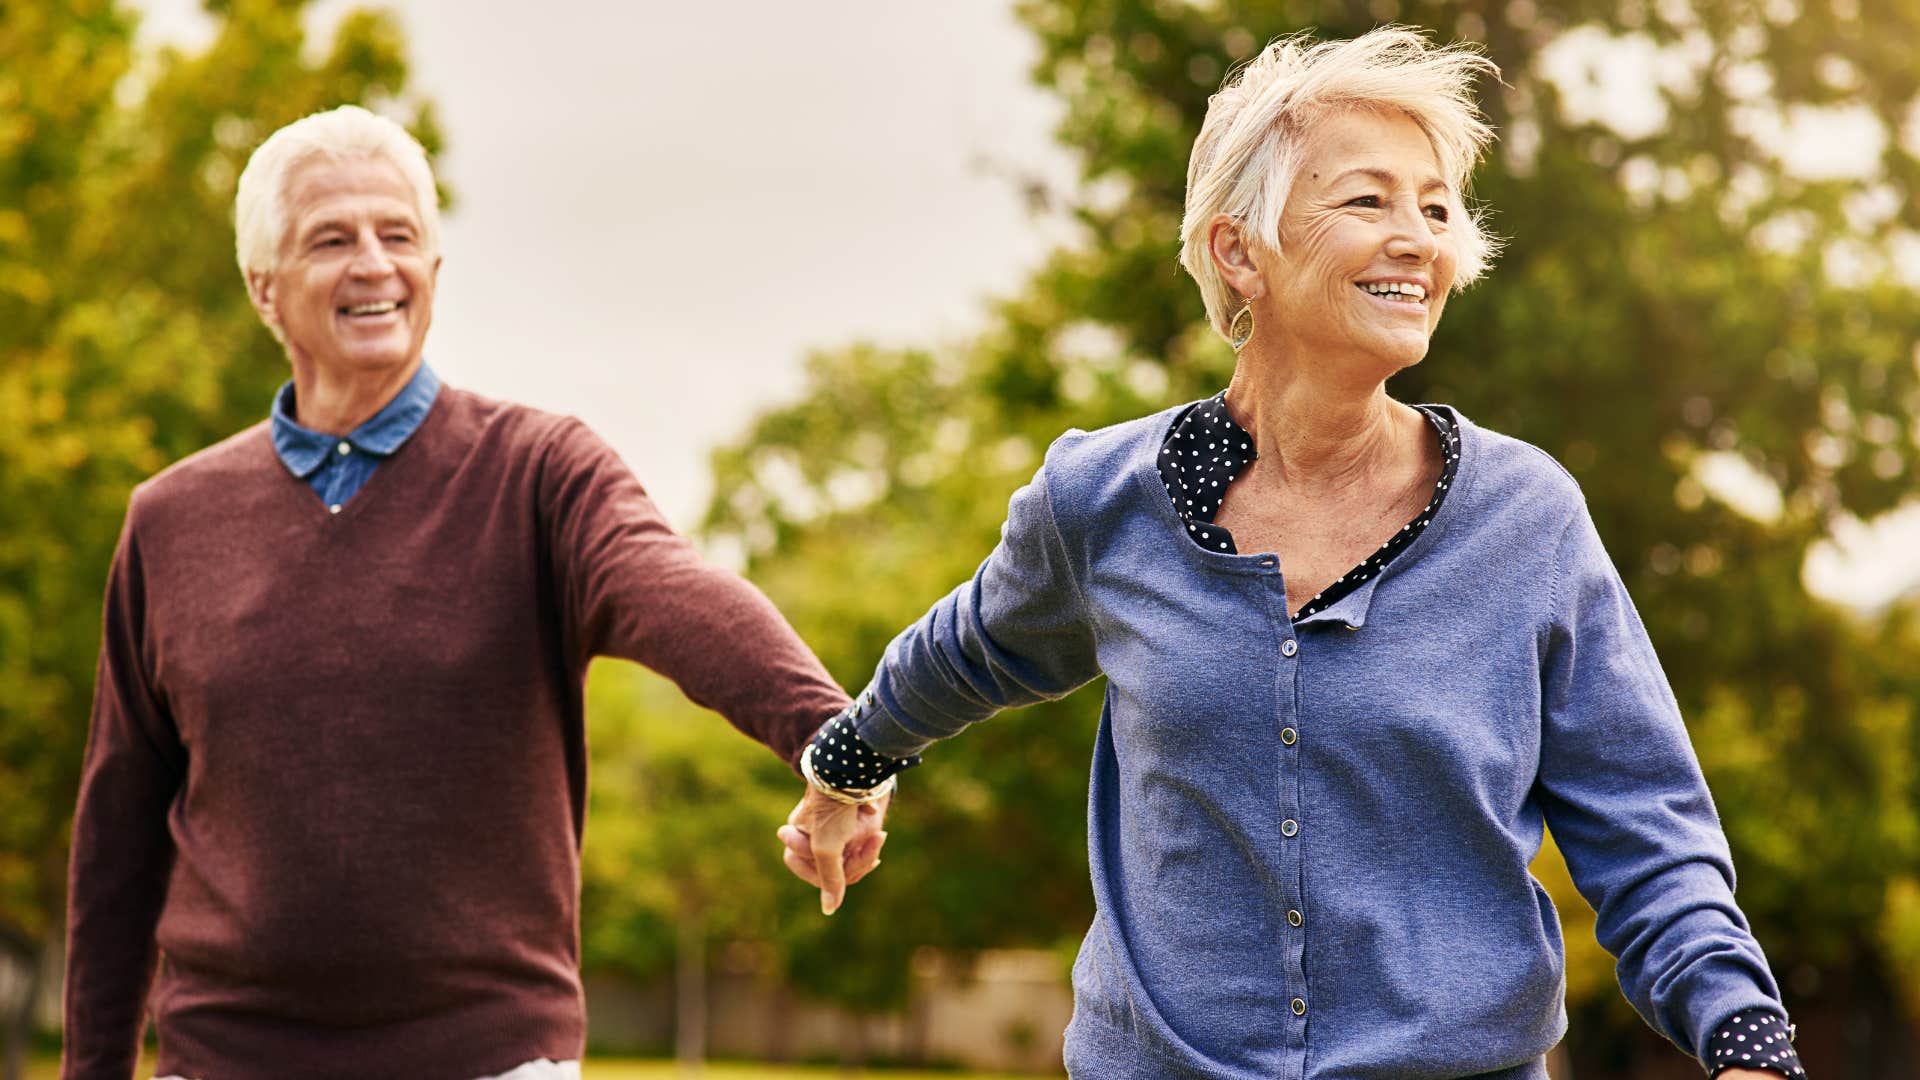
pixel 370 258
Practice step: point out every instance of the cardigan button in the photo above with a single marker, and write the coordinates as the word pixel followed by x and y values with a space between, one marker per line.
pixel 1299 1007
pixel 1289 827
pixel 1289 647
pixel 1294 918
pixel 1288 735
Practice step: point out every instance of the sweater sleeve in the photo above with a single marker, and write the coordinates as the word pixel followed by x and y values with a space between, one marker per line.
pixel 1016 634
pixel 1629 808
pixel 122 851
pixel 631 587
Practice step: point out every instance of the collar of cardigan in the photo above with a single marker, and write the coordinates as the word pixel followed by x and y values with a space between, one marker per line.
pixel 1350 610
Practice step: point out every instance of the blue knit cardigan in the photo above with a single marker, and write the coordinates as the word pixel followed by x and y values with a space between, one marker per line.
pixel 1309 842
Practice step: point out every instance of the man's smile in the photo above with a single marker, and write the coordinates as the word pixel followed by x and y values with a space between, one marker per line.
pixel 373 307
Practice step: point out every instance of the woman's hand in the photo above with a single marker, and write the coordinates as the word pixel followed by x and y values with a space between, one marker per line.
pixel 1746 1074
pixel 830 844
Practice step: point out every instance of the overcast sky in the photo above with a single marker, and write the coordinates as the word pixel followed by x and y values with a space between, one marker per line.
pixel 661 208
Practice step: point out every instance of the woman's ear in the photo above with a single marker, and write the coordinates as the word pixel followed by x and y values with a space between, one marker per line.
pixel 1233 256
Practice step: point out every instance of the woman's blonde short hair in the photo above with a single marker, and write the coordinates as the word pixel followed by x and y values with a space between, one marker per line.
pixel 344 134
pixel 1248 153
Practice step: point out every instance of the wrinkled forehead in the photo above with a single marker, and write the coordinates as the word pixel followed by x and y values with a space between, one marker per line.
pixel 324 187
pixel 1351 145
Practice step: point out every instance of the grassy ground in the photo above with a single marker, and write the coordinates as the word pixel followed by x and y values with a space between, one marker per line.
pixel 631 1069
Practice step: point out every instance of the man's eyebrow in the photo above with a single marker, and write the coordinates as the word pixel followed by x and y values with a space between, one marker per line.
pixel 1389 179
pixel 332 224
pixel 325 224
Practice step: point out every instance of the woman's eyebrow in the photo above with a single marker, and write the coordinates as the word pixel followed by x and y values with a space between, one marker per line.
pixel 1388 178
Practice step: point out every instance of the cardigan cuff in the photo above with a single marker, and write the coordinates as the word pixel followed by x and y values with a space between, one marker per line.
pixel 883 729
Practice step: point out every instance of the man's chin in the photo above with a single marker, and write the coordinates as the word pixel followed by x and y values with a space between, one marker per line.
pixel 376 356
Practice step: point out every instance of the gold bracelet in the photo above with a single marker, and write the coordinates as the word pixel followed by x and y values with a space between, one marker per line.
pixel 849 796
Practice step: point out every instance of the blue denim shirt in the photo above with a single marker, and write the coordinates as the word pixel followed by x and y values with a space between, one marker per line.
pixel 1309 841
pixel 335 467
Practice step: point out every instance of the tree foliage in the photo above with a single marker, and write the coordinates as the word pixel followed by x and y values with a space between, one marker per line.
pixel 1715 343
pixel 1710 335
pixel 126 339
pixel 681 816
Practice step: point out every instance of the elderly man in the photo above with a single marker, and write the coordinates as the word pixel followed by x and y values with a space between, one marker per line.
pixel 331 808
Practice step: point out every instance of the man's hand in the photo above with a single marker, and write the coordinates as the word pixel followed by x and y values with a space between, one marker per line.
pixel 830 845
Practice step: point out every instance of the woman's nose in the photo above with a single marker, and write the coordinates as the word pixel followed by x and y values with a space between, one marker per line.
pixel 1412 234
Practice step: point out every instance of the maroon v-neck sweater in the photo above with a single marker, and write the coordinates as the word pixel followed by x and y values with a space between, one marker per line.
pixel 336 777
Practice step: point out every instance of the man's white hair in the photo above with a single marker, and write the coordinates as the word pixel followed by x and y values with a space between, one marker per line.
pixel 344 134
pixel 1248 154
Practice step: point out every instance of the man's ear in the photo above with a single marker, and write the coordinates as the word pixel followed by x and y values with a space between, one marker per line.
pixel 260 290
pixel 1233 256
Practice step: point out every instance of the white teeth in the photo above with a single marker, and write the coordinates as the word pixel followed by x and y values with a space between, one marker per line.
pixel 380 308
pixel 1407 289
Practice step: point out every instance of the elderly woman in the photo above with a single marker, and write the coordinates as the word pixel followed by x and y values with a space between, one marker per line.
pixel 1357 652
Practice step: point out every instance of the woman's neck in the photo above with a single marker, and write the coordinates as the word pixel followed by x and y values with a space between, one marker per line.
pixel 1318 434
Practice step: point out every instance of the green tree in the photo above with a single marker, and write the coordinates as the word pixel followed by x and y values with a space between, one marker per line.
pixel 680 850
pixel 1676 306
pixel 126 342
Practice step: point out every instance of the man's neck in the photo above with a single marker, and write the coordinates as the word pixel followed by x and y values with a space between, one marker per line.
pixel 334 402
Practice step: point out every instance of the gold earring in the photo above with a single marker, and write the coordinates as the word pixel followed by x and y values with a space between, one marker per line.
pixel 1240 331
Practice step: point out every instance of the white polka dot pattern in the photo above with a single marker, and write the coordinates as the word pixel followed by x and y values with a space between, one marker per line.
pixel 1207 451
pixel 1756 1039
pixel 843 760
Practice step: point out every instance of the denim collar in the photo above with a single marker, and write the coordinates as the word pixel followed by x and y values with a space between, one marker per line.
pixel 303 451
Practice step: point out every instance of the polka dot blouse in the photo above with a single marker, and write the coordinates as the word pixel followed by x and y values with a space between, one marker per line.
pixel 1202 456
pixel 843 760
pixel 1207 451
pixel 1755 1039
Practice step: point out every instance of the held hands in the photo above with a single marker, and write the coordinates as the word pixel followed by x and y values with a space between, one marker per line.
pixel 830 844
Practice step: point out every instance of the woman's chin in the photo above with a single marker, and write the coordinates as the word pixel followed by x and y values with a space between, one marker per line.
pixel 1399 351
